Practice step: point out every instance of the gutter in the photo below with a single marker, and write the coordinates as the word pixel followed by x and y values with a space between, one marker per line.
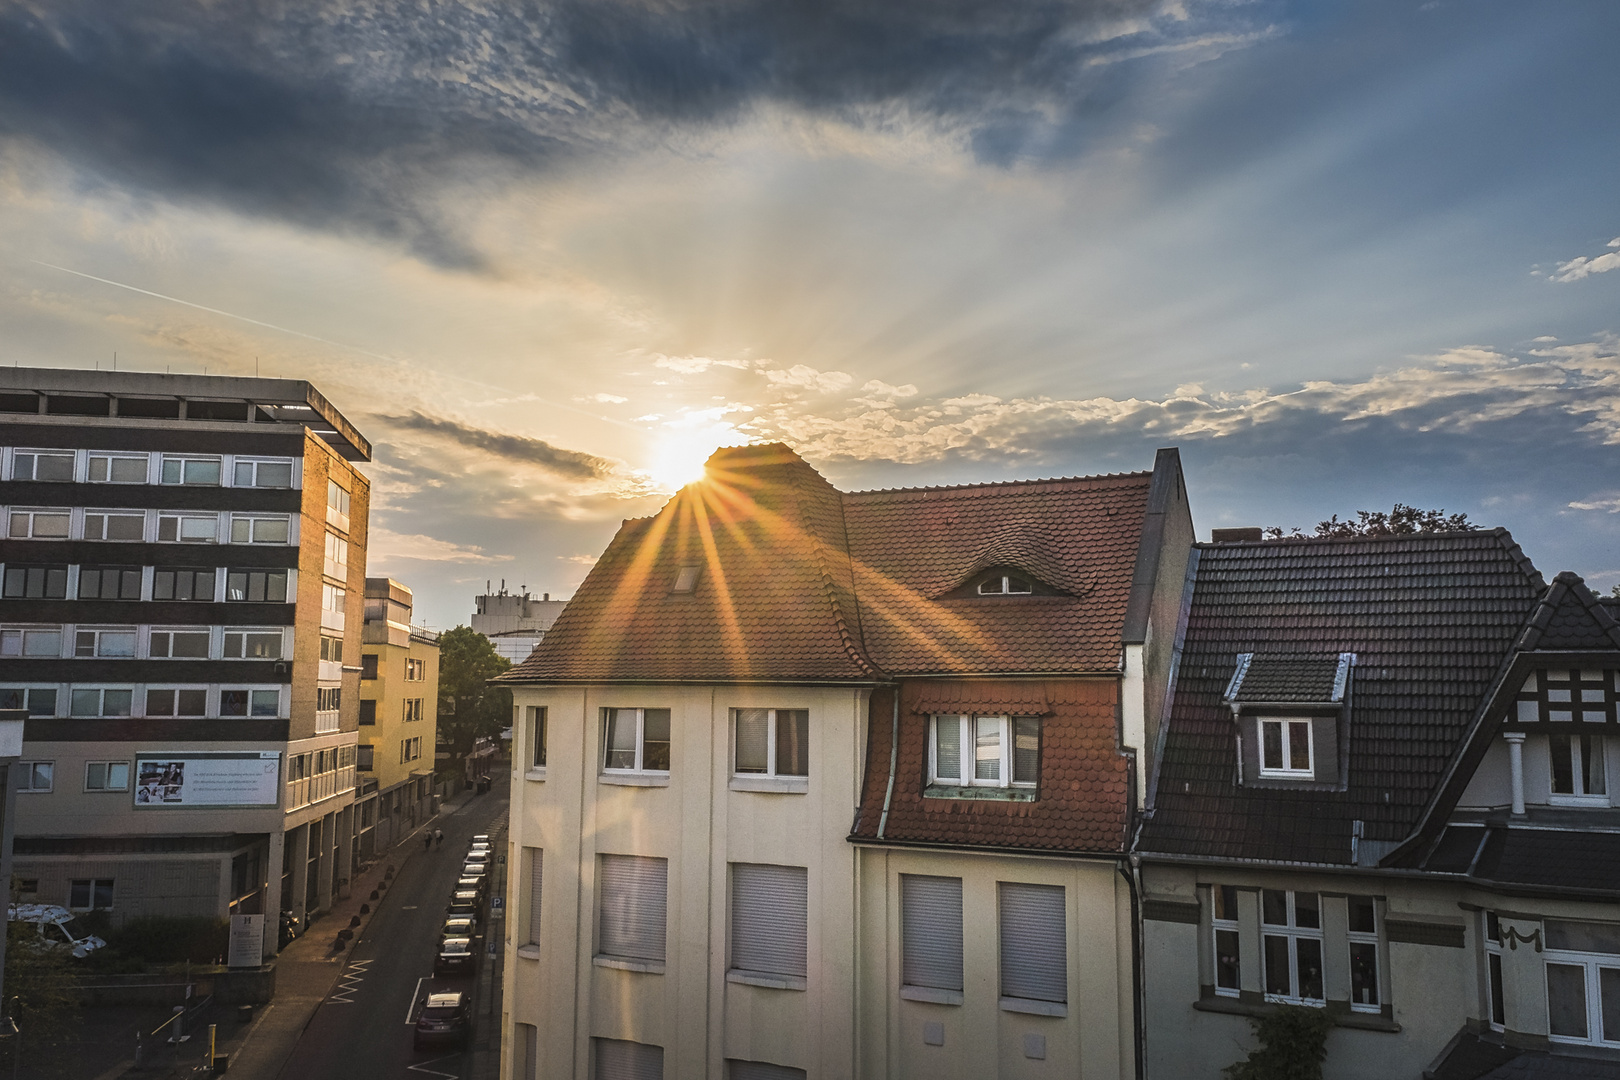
pixel 894 754
pixel 1133 881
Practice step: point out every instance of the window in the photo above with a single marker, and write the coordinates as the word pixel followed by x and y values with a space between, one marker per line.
pixel 257 586
pixel 191 701
pixel 1577 767
pixel 117 468
pixel 331 649
pixel 415 670
pixel 334 598
pixel 114 525
pixel 769 918
pixel 1583 982
pixel 114 642
pixel 255 644
pixel 931 933
pixel 38 700
pixel 337 498
pixel 106 776
pixel 364 757
pixel 109 583
pixel 328 698
pixel 1004 585
pixel 42 465
pixel 637 740
pixel 253 529
pixel 537 736
pixel 182 584
pixel 534 857
pixel 368 665
pixel 737 1069
pixel 1224 923
pixel 410 749
pixel 181 469
pixel 988 751
pixel 90 894
pixel 413 710
pixel 178 645
pixel 773 742
pixel 1364 982
pixel 188 528
pixel 87 702
pixel 368 712
pixel 1291 946
pixel 245 702
pixel 35 776
pixel 337 556
pixel 264 474
pixel 634 906
pixel 36 582
pixel 41 524
pixel 1286 749
pixel 685 579
pixel 617 1059
pixel 1034 944
pixel 1493 970
pixel 44 641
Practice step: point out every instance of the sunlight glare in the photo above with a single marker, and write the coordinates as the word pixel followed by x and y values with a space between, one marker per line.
pixel 679 455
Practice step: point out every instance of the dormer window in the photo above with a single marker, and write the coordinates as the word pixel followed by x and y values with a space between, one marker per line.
pixel 1005 585
pixel 1286 748
pixel 685 580
pixel 1292 716
pixel 1577 768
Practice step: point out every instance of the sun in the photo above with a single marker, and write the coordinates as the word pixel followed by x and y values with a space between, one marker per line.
pixel 678 456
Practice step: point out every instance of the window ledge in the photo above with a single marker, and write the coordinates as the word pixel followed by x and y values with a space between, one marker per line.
pixel 1341 1016
pixel 770 982
pixel 620 963
pixel 528 952
pixel 932 994
pixel 535 774
pixel 996 794
pixel 1034 1008
pixel 634 779
pixel 781 785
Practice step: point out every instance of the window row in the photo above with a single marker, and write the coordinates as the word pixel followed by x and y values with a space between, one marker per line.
pixel 1032 940
pixel 202 584
pixel 152 526
pixel 142 701
pixel 146 642
pixel 985 751
pixel 1293 944
pixel 136 467
pixel 1581 966
pixel 39 776
pixel 766 742
pixel 622 1059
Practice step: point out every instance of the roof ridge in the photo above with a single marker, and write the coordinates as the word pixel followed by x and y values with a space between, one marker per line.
pixel 1496 532
pixel 966 489
pixel 853 647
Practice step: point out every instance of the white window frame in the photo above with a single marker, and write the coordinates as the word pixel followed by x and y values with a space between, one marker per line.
pixel 289 584
pixel 640 766
pixel 1289 725
pixel 196 572
pixel 187 527
pixel 45 570
pixel 27 692
pixel 106 516
pixel 1293 933
pixel 168 645
pixel 253 465
pixel 252 692
pixel 537 737
pixel 183 463
pixel 23 636
pixel 101 712
pixel 1495 983
pixel 338 501
pixel 1373 938
pixel 967 736
pixel 1590 963
pixel 241 633
pixel 174 691
pixel 29 516
pixel 336 561
pixel 35 455
pixel 1224 925
pixel 1579 796
pixel 81 581
pixel 771 724
pixel 415 669
pixel 1003 586
pixel 95 634
pixel 107 768
pixel 110 457
pixel 334 598
pixel 29 772
pixel 245 529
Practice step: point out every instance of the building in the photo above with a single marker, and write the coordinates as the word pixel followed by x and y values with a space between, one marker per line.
pixel 515 623
pixel 822 784
pixel 399 709
pixel 181 560
pixel 1384 790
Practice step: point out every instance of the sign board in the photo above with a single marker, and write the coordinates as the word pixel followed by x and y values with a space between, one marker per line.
pixel 171 781
pixel 497 902
pixel 247 941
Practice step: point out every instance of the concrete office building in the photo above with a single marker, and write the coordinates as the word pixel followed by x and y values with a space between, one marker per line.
pixel 399 710
pixel 182 559
pixel 515 622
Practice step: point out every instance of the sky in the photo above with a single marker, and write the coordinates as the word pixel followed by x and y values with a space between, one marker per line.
pixel 548 256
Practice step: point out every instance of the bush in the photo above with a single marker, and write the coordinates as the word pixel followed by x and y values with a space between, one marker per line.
pixel 163 939
pixel 1293 1045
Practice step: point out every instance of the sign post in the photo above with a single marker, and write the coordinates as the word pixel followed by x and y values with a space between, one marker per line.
pixel 247 941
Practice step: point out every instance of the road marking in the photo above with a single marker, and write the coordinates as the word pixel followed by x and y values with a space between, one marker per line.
pixel 411 1008
pixel 423 1067
pixel 352 977
pixel 409 907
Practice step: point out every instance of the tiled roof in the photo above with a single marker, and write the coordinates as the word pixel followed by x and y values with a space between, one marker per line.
pixel 1430 617
pixel 1570 617
pixel 1280 678
pixel 1581 860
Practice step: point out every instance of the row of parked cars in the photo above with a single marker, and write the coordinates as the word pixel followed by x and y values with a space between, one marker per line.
pixel 446 1017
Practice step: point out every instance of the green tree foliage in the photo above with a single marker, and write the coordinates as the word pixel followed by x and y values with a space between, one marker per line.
pixel 1403 520
pixel 40 996
pixel 469 708
pixel 1293 1045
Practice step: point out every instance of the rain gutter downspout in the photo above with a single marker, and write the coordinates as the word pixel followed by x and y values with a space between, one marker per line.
pixel 894 753
pixel 1133 881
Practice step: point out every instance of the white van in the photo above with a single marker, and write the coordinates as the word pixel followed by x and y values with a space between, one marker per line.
pixel 57 926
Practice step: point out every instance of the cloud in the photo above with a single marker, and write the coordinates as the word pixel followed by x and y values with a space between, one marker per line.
pixel 1611 504
pixel 384 544
pixel 522 448
pixel 1580 267
pixel 804 377
pixel 608 399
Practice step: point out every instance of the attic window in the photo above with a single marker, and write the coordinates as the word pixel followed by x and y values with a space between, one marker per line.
pixel 1285 748
pixel 686 579
pixel 1005 585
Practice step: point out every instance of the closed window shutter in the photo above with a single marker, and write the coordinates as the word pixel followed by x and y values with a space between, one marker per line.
pixel 536 862
pixel 931 931
pixel 633 892
pixel 768 921
pixel 1034 952
pixel 761 1070
pixel 617 1059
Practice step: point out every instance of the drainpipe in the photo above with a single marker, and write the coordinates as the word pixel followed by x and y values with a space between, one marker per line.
pixel 894 753
pixel 1133 881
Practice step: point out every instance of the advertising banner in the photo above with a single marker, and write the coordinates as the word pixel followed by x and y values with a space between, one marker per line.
pixel 176 781
pixel 247 941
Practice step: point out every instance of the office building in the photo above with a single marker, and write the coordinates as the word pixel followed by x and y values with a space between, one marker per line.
pixel 399 709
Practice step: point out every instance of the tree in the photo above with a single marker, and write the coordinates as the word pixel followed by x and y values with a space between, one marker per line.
pixel 1403 520
pixel 469 708
pixel 40 995
pixel 1293 1044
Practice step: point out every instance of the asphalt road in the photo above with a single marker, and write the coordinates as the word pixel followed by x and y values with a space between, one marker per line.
pixel 364 1027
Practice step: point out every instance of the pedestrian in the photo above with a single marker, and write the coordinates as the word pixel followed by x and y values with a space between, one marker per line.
pixel 438 835
pixel 427 841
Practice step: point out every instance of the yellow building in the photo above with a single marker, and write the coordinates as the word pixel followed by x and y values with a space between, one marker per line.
pixel 399 695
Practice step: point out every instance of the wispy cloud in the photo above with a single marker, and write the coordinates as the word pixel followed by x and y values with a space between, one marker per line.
pixel 1582 266
pixel 385 544
pixel 521 448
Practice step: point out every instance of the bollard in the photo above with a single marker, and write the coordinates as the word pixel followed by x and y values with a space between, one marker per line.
pixel 179 1035
pixel 140 1050
pixel 213 1034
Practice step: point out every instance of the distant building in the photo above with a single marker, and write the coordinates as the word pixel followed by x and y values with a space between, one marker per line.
pixel 515 623
pixel 399 706
pixel 179 555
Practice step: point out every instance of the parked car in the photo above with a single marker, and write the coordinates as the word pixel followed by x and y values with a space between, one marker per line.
pixel 444 1019
pixel 480 845
pixel 481 837
pixel 478 859
pixel 463 902
pixel 477 884
pixel 459 926
pixel 57 927
pixel 456 957
pixel 475 870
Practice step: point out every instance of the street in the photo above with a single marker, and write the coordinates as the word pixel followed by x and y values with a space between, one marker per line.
pixel 364 1027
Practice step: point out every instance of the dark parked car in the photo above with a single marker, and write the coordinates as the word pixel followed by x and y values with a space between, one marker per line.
pixel 444 1019
pixel 456 957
